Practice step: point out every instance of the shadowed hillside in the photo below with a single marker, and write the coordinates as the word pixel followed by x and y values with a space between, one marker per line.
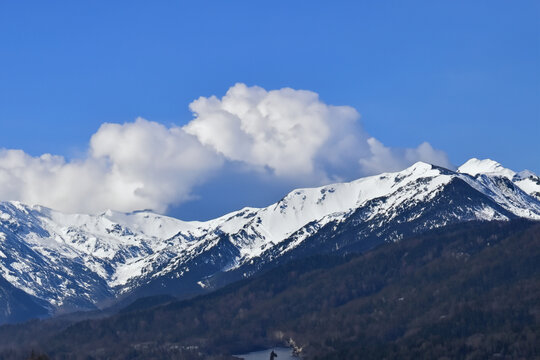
pixel 468 291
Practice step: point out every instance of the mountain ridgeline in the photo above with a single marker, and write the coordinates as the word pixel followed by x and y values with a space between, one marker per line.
pixel 53 263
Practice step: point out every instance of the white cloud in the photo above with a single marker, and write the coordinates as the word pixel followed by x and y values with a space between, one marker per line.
pixel 285 134
pixel 291 132
pixel 131 166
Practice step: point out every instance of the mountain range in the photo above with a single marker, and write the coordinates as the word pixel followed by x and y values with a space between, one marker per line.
pixel 52 263
pixel 463 291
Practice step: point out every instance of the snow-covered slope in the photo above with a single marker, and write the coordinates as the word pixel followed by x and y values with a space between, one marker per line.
pixel 75 261
pixel 476 166
pixel 526 179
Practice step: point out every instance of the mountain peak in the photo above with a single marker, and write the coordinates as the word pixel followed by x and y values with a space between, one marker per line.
pixel 419 168
pixel 420 165
pixel 476 166
pixel 525 174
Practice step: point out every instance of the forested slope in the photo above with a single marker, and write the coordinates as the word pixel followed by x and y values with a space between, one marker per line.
pixel 468 291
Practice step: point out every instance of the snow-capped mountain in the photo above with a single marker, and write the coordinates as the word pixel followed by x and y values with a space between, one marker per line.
pixel 526 179
pixel 63 262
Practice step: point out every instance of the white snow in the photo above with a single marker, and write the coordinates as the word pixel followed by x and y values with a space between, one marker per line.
pixel 529 185
pixel 475 166
pixel 526 180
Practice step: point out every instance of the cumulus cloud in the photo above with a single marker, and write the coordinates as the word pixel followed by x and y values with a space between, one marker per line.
pixel 131 166
pixel 291 132
pixel 283 134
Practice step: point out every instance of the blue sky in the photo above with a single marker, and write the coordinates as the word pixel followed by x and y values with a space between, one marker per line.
pixel 461 75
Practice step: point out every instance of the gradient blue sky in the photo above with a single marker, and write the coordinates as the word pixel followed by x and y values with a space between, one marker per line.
pixel 462 75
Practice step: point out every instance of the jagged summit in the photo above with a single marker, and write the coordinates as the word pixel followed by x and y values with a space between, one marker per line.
pixel 526 179
pixel 77 261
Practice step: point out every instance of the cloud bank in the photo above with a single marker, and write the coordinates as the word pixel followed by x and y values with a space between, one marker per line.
pixel 286 134
pixel 138 165
pixel 290 132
